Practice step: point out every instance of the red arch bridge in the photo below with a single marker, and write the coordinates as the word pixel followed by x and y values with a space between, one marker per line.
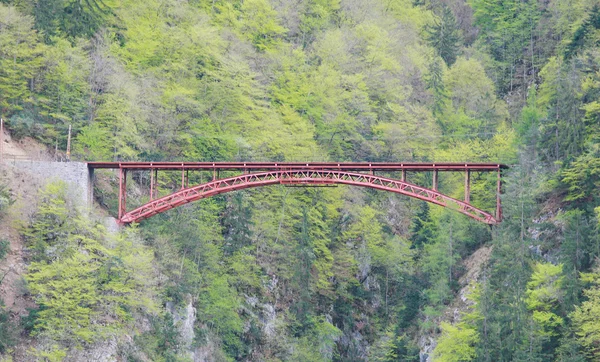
pixel 255 174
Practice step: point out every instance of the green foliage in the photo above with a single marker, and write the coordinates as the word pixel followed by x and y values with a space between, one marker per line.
pixel 259 24
pixel 161 341
pixel 81 277
pixel 366 233
pixel 454 236
pixel 65 87
pixel 458 342
pixel 4 248
pixel 7 330
pixel 511 334
pixel 26 124
pixel 220 305
pixel 543 291
pixel 581 178
pixel 319 346
pixel 71 302
pixel 29 321
pixel 543 295
pixel 528 126
pixel 48 235
pixel 53 353
pixel 237 224
pixel 317 15
pixel 585 33
pixel 444 35
pixel 6 199
pixel 506 26
pixel 94 143
pixel 435 83
pixel 578 247
pixel 20 59
pixel 472 93
pixel 561 131
pixel 585 317
pixel 314 274
pixel 71 18
pixel 394 348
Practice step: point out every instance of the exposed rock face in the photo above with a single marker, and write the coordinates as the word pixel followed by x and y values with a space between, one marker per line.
pixel 474 266
pixel 210 351
pixel 184 319
pixel 269 320
pixel 102 352
pixel 427 345
pixel 111 225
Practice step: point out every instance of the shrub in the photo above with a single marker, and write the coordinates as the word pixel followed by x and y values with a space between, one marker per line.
pixel 4 248
pixel 6 199
pixel 7 337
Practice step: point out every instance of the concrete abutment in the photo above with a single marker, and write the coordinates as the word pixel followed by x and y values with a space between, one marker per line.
pixel 77 176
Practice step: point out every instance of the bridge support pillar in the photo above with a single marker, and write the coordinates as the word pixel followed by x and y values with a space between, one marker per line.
pixel 467 186
pixel 122 192
pixel 153 182
pixel 90 187
pixel 498 190
pixel 435 180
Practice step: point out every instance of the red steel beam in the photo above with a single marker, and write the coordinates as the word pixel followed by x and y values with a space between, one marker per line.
pixel 299 177
pixel 498 201
pixel 467 186
pixel 274 166
pixel 151 185
pixel 122 192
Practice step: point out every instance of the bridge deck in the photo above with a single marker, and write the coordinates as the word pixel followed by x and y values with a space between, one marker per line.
pixel 271 166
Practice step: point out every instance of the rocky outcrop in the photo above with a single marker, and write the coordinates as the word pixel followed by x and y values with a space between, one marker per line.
pixel 474 265
pixel 184 319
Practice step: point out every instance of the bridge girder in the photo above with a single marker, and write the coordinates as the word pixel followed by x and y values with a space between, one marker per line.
pixel 303 176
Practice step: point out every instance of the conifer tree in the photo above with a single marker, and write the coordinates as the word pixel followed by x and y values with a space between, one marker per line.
pixel 444 35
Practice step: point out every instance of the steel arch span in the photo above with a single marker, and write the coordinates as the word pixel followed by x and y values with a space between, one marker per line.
pixel 303 177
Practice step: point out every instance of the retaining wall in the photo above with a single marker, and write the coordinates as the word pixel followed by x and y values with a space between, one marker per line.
pixel 76 175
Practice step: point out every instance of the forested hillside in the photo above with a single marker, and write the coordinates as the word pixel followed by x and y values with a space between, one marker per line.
pixel 309 274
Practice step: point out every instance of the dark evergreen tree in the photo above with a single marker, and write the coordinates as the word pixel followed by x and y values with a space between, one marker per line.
pixel 506 328
pixel 70 18
pixel 562 131
pixel 423 229
pixel 7 330
pixel 507 28
pixel 302 306
pixel 582 34
pixel 435 84
pixel 444 35
pixel 237 222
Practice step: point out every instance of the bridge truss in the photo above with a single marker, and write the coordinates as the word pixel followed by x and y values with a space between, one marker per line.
pixel 254 174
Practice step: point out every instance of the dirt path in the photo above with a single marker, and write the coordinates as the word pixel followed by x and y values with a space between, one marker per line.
pixel 26 148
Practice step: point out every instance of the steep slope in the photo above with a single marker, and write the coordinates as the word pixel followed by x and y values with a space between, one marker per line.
pixel 309 274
